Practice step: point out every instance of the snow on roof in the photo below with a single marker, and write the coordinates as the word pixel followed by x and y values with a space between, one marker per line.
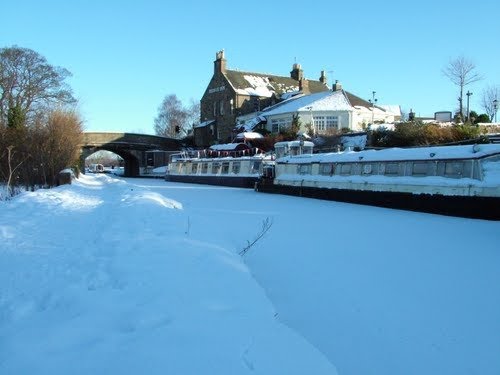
pixel 228 146
pixel 204 123
pixel 417 153
pixel 290 94
pixel 259 86
pixel 295 143
pixel 321 101
pixel 392 108
pixel 253 122
pixel 249 135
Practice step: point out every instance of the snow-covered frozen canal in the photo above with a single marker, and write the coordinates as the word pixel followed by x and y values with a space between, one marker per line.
pixel 130 276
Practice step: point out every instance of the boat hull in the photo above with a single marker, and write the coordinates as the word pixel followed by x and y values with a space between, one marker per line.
pixel 476 207
pixel 236 181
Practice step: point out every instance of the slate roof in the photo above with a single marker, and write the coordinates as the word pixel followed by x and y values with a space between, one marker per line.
pixel 357 101
pixel 265 85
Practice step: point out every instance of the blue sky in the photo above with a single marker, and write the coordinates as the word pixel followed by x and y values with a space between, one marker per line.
pixel 126 56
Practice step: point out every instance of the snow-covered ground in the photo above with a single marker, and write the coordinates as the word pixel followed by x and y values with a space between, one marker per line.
pixel 126 276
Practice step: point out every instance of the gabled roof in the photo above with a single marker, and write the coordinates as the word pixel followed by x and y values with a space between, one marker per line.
pixel 393 108
pixel 322 101
pixel 356 101
pixel 265 85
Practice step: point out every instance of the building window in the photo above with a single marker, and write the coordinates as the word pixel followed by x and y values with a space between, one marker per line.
pixel 194 168
pixel 320 123
pixel 323 123
pixel 332 122
pixel 221 107
pixel 215 108
pixel 231 106
pixel 280 124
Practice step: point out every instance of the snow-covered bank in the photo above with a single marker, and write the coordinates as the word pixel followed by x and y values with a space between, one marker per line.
pixel 103 277
pixel 129 275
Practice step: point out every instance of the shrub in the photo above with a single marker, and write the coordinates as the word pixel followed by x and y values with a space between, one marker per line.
pixel 418 134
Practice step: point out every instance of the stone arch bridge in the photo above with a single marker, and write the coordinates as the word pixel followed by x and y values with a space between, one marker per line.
pixel 131 147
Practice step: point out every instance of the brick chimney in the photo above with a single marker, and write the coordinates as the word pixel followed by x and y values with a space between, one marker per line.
pixel 304 86
pixel 297 73
pixel 219 63
pixel 336 86
pixel 322 79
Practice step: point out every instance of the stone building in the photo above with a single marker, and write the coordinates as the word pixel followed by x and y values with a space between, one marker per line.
pixel 231 94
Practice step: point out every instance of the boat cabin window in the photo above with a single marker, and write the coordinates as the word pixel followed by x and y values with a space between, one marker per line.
pixel 225 167
pixel 179 167
pixel 304 169
pixel 420 169
pixel 345 169
pixel 367 169
pixel 280 151
pixel 204 168
pixel 215 168
pixel 327 169
pixel 194 168
pixel 255 167
pixel 300 150
pixel 307 150
pixel 236 167
pixel 292 148
pixel 454 169
pixel 391 169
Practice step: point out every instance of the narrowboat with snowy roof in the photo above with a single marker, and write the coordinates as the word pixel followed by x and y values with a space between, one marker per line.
pixel 231 164
pixel 450 180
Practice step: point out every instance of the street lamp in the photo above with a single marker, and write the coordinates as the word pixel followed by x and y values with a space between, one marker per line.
pixel 495 108
pixel 468 97
pixel 373 101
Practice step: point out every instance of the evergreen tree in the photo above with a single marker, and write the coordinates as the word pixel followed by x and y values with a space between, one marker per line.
pixel 16 118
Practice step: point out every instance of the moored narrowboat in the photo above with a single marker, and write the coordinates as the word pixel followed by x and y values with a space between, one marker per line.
pixel 450 180
pixel 233 164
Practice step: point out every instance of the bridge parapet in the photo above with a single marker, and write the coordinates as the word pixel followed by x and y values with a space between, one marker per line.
pixel 142 141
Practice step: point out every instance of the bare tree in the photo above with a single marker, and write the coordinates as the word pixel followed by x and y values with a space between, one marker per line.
pixel 12 167
pixel 63 135
pixel 461 72
pixel 193 115
pixel 490 94
pixel 172 117
pixel 29 83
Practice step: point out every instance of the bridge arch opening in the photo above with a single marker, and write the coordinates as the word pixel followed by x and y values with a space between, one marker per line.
pixel 127 160
pixel 110 162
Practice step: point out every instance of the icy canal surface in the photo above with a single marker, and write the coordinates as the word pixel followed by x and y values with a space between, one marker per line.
pixel 130 276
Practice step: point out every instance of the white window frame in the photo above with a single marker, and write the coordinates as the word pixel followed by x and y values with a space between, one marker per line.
pixel 280 123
